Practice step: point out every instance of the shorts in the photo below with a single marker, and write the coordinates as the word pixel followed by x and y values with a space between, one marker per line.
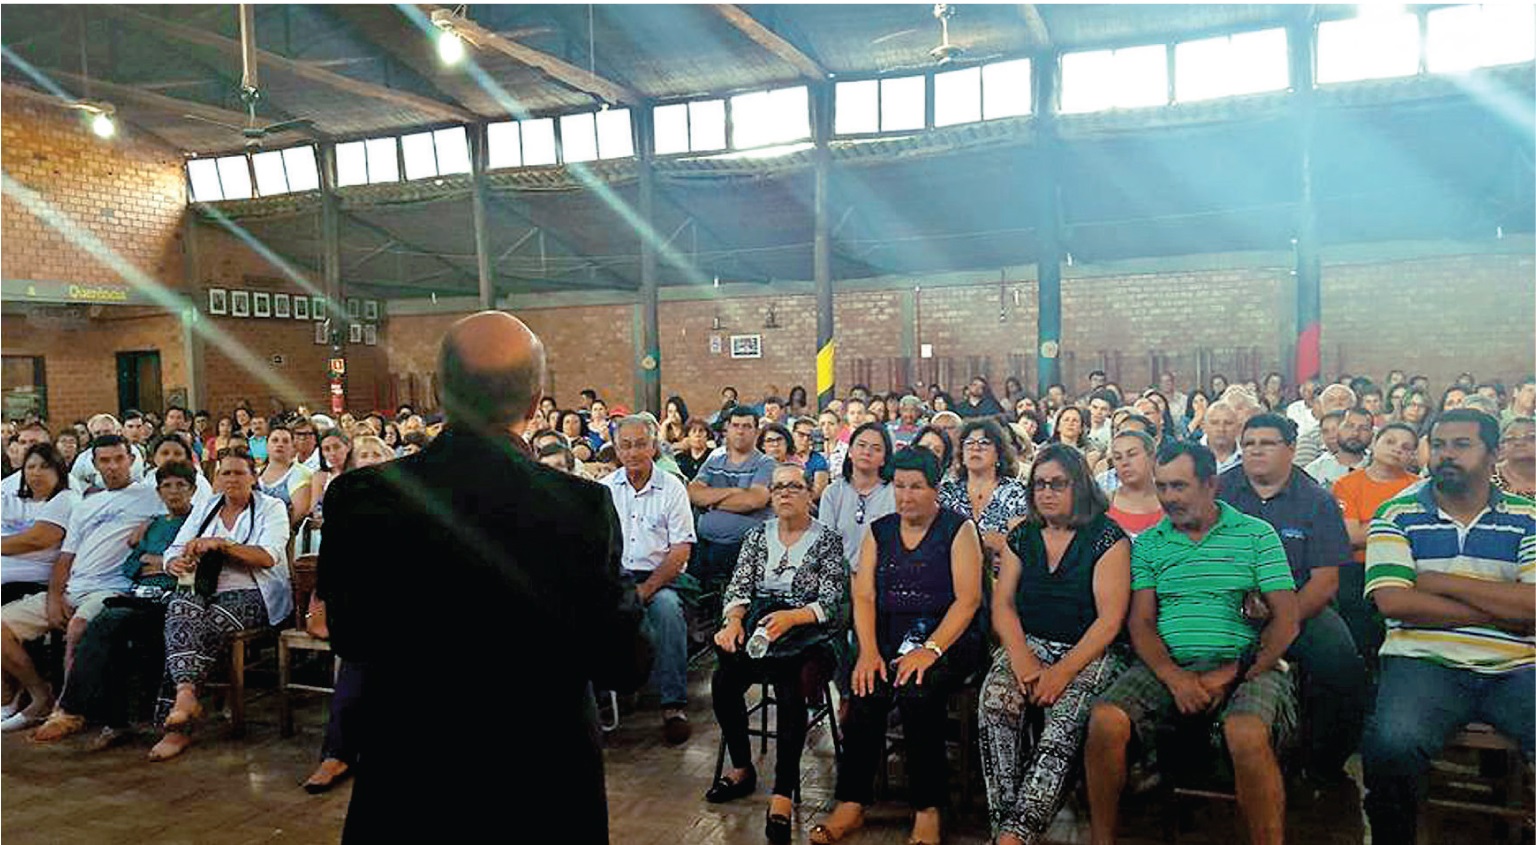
pixel 1152 709
pixel 28 618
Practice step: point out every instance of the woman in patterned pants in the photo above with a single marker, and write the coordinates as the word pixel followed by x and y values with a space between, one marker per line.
pixel 1062 594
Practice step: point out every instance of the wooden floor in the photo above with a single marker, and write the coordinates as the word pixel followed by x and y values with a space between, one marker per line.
pixel 247 791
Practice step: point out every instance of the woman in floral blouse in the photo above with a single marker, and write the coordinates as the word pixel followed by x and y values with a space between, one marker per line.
pixel 987 487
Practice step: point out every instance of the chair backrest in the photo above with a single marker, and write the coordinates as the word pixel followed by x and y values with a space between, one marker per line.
pixel 303 572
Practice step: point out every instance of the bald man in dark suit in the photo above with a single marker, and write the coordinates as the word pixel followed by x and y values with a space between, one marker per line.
pixel 482 593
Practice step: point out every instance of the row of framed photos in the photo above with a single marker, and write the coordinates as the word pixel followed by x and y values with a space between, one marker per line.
pixel 364 333
pixel 263 304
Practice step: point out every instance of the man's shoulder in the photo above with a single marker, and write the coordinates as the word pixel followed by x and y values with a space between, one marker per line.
pixel 1404 504
pixel 1242 524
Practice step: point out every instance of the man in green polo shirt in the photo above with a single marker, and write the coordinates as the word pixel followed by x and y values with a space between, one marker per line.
pixel 1199 654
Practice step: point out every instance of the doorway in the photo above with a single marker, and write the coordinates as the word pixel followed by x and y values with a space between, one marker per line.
pixel 138 382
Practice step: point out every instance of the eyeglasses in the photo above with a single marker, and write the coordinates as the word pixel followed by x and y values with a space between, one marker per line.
pixel 976 443
pixel 788 487
pixel 1055 485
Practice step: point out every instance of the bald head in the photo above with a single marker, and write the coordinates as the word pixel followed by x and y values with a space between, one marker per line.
pixel 490 370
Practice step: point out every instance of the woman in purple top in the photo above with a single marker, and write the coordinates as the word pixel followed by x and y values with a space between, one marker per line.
pixel 915 597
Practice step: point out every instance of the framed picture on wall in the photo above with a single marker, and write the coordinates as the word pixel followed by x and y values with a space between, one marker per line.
pixel 746 346
pixel 371 310
pixel 322 334
pixel 240 303
pixel 317 308
pixel 370 335
pixel 353 307
pixel 261 303
pixel 218 301
pixel 301 308
pixel 280 306
pixel 354 333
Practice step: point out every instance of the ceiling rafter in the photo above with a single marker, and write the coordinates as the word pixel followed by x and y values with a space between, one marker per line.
pixel 298 68
pixel 120 94
pixel 770 41
pixel 556 68
pixel 1034 26
pixel 386 52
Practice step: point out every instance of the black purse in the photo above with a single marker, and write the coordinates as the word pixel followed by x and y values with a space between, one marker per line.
pixel 211 564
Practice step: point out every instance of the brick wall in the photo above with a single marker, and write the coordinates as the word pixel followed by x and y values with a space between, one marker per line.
pixel 1438 316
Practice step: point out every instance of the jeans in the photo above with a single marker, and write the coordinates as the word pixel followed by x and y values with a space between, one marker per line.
pixel 341 741
pixel 1419 706
pixel 666 625
pixel 119 642
pixel 1333 691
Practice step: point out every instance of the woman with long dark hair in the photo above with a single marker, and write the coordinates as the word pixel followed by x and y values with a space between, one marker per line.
pixel 1060 601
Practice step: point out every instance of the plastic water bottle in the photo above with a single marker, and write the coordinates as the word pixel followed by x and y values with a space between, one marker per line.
pixel 916 636
pixel 757 644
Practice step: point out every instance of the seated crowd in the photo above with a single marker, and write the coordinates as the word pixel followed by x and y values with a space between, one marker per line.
pixel 1132 583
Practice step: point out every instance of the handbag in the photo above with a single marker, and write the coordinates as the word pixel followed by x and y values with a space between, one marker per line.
pixel 795 641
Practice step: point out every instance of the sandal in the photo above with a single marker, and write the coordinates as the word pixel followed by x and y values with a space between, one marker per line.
pixel 183 718
pixel 171 745
pixel 330 773
pixel 58 726
pixel 822 834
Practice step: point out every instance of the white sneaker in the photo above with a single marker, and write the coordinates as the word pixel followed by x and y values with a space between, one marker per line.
pixel 21 721
pixel 11 708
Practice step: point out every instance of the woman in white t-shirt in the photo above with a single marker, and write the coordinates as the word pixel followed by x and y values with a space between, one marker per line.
pixel 34 523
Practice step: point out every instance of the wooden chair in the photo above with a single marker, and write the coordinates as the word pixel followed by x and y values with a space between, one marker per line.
pixel 235 687
pixel 296 638
pixel 1493 783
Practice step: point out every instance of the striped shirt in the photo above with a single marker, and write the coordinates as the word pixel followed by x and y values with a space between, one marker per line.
pixel 1411 534
pixel 1200 586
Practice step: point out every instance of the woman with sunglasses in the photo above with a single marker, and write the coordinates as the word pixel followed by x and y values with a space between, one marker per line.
pixel 791 582
pixel 1061 598
pixel 986 486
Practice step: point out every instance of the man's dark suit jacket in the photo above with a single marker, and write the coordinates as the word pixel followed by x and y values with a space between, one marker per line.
pixel 482 592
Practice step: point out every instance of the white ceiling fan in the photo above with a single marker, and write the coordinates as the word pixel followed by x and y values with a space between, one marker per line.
pixel 250 90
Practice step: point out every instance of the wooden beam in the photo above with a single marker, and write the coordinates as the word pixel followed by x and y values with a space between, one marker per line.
pixel 1034 27
pixel 304 70
pixel 125 94
pixel 557 68
pixel 770 41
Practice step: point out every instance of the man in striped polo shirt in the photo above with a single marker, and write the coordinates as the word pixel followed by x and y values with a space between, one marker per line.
pixel 1452 567
pixel 1190 574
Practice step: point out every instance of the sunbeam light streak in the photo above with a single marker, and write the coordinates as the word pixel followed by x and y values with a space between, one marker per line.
pixel 107 257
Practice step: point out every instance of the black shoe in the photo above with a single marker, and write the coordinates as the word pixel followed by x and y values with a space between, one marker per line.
pixel 778 830
pixel 724 790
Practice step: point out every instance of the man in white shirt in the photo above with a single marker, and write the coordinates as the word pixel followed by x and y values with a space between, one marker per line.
pixel 1300 411
pixel 1221 430
pixel 89 570
pixel 1177 402
pixel 84 471
pixel 1356 431
pixel 658 530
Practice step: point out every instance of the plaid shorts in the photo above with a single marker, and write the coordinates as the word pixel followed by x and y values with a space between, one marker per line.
pixel 1152 709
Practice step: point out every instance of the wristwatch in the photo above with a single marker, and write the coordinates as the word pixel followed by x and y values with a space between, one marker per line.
pixel 934 647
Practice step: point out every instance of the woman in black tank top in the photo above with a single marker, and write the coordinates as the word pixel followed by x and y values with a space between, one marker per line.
pixel 915 597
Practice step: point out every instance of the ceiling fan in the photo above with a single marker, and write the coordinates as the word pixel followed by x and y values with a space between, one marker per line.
pixel 250 90
pixel 944 53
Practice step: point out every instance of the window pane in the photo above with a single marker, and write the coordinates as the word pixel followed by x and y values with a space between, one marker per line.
pixel 671 128
pixel 452 150
pixel 1461 38
pixel 1372 47
pixel 902 103
pixel 236 177
pixel 1142 75
pixel 505 150
pixel 1246 63
pixel 351 164
pixel 1005 89
pixel 204 175
pixel 957 97
pixel 858 108
pixel 770 117
pixel 707 125
pixel 383 163
pixel 420 158
pixel 270 179
pixel 615 139
pixel 539 141
pixel 1087 81
pixel 578 137
pixel 303 175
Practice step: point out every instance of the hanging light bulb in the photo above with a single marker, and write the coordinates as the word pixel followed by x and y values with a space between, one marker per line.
pixel 103 125
pixel 450 48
